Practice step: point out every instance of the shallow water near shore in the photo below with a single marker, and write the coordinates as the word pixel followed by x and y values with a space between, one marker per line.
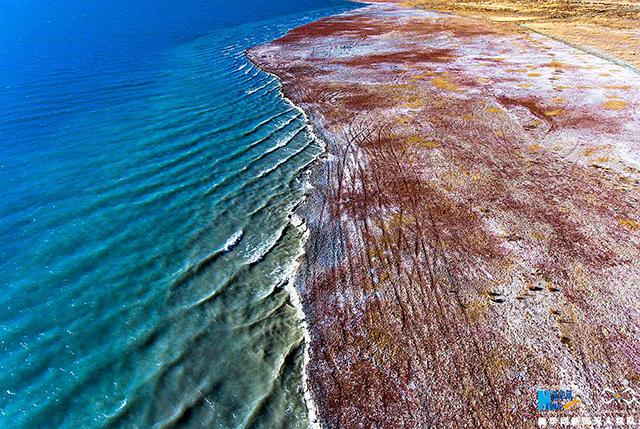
pixel 148 173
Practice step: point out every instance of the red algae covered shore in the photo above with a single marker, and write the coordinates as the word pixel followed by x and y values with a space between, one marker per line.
pixel 475 226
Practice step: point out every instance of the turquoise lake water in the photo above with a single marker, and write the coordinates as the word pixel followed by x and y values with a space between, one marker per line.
pixel 148 173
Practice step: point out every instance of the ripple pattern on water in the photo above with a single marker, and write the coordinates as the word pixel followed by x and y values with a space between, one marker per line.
pixel 145 218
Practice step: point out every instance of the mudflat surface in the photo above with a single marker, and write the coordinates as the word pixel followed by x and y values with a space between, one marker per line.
pixel 475 229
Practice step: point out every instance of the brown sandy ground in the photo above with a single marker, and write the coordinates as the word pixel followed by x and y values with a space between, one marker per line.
pixel 475 229
pixel 610 27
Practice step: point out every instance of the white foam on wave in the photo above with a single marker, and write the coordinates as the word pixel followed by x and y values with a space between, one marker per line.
pixel 253 91
pixel 299 223
pixel 290 287
pixel 232 241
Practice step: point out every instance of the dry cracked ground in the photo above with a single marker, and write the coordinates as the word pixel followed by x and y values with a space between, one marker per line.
pixel 475 227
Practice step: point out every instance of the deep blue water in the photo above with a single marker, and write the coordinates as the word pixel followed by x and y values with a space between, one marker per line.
pixel 148 173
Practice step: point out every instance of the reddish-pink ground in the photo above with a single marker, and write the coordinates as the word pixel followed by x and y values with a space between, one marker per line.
pixel 475 229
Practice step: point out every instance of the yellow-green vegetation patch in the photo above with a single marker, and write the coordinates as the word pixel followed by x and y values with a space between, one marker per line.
pixel 416 140
pixel 629 224
pixel 615 104
pixel 554 112
pixel 442 82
